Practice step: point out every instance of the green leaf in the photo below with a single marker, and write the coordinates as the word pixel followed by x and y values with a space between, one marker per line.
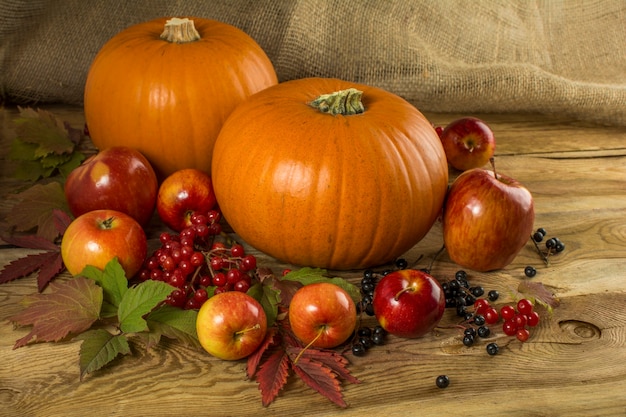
pixel 308 276
pixel 22 151
pixel 72 162
pixel 42 128
pixel 139 301
pixel 113 282
pixel 174 323
pixel 100 347
pixel 269 299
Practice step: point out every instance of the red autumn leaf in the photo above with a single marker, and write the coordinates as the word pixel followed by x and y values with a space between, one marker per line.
pixel 329 358
pixel 321 378
pixel 255 358
pixel 49 264
pixel 29 241
pixel 536 291
pixel 272 376
pixel 70 308
pixel 61 220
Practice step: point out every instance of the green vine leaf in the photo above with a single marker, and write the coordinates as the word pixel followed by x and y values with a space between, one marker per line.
pixel 174 323
pixel 113 282
pixel 139 301
pixel 269 298
pixel 100 347
pixel 307 276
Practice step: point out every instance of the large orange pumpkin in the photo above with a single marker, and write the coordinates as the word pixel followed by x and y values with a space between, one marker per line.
pixel 165 87
pixel 340 181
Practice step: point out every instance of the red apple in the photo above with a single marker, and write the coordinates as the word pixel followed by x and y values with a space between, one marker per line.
pixel 486 221
pixel 182 194
pixel 322 315
pixel 468 143
pixel 231 325
pixel 117 178
pixel 98 236
pixel 408 303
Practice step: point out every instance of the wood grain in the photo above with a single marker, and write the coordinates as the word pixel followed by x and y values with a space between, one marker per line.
pixel 573 365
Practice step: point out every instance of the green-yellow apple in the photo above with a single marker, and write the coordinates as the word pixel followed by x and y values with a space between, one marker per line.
pixel 98 236
pixel 408 303
pixel 231 325
pixel 322 315
pixel 486 220
pixel 468 143
pixel 182 194
pixel 118 178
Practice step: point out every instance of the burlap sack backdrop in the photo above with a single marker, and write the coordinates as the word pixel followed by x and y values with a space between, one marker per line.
pixel 552 56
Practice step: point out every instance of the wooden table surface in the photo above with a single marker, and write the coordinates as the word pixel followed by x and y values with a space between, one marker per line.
pixel 573 364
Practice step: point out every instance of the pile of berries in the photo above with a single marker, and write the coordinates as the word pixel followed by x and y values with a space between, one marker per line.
pixel 459 294
pixel 366 337
pixel 197 264
pixel 517 320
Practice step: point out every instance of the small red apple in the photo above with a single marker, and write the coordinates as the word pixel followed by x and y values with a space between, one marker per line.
pixel 231 325
pixel 182 194
pixel 118 178
pixel 322 315
pixel 408 303
pixel 486 220
pixel 98 236
pixel 468 143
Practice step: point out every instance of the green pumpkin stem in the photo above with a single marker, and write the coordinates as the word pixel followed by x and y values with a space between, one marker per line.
pixel 345 102
pixel 180 31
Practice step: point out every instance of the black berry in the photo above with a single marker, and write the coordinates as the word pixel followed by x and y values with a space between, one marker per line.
pixel 442 381
pixel 493 295
pixel 492 348
pixel 530 271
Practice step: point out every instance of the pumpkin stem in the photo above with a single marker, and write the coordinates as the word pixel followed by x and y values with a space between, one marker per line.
pixel 180 31
pixel 345 102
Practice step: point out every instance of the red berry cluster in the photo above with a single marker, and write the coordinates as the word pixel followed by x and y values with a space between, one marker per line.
pixel 197 265
pixel 516 320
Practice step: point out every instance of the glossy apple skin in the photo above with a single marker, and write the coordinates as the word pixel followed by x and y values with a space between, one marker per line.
pixel 117 178
pixel 183 193
pixel 468 143
pixel 409 303
pixel 98 236
pixel 486 221
pixel 231 325
pixel 322 307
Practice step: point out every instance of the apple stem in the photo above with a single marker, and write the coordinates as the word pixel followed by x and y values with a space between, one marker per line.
pixel 319 333
pixel 492 160
pixel 402 291
pixel 248 329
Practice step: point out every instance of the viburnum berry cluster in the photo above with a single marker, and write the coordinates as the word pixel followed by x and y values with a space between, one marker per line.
pixel 517 320
pixel 198 264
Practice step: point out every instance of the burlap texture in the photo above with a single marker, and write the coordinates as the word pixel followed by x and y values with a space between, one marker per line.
pixel 550 56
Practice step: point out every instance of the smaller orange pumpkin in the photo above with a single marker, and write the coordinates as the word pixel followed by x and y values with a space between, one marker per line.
pixel 328 173
pixel 165 87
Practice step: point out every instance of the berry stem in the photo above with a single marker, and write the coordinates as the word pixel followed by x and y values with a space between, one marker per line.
pixel 543 255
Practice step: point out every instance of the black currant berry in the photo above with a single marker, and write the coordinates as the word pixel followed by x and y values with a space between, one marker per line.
pixel 559 247
pixel 537 237
pixel 358 349
pixel 551 243
pixel 542 231
pixel 493 295
pixel 460 275
pixel 530 271
pixel 492 348
pixel 479 319
pixel 442 381
pixel 468 340
pixel 401 263
pixel 470 331
pixel 483 332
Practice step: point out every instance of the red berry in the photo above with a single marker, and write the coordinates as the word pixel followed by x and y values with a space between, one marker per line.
pixel 242 286
pixel 233 275
pixel 520 320
pixel 509 327
pixel 219 280
pixel 522 335
pixel 524 306
pixel 248 263
pixel 237 250
pixel 197 259
pixel 481 305
pixel 533 319
pixel 491 316
pixel 507 312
